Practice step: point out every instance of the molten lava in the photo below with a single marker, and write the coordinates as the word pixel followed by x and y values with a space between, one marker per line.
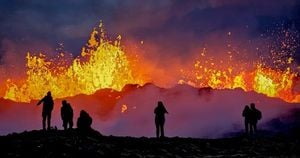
pixel 259 78
pixel 104 64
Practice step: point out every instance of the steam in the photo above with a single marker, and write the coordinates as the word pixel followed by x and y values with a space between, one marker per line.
pixel 192 112
pixel 203 113
pixel 286 122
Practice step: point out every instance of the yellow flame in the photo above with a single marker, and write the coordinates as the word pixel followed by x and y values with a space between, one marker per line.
pixel 271 82
pixel 101 65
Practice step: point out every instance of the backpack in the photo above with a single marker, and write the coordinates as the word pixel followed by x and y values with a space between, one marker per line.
pixel 258 114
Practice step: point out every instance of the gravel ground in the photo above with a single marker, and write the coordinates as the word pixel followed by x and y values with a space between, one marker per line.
pixel 73 144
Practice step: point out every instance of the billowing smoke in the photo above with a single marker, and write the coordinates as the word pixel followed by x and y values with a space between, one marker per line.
pixel 286 123
pixel 192 112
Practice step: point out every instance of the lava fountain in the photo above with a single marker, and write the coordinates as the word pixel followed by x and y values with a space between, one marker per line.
pixel 257 77
pixel 104 64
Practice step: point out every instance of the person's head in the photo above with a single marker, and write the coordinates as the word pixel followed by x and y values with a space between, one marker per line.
pixel 247 107
pixel 64 102
pixel 48 93
pixel 160 104
pixel 83 113
pixel 252 106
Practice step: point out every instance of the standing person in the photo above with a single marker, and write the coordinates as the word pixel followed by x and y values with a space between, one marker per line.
pixel 66 113
pixel 246 114
pixel 160 111
pixel 254 117
pixel 47 109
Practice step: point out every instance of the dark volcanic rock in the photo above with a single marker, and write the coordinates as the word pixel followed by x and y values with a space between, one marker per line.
pixel 75 144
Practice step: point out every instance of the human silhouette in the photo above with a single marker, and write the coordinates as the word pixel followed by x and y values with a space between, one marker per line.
pixel 66 113
pixel 84 121
pixel 47 110
pixel 247 115
pixel 254 117
pixel 160 111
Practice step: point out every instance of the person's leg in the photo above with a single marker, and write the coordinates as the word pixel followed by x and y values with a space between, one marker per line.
pixel 65 124
pixel 251 128
pixel 49 120
pixel 254 127
pixel 162 123
pixel 44 120
pixel 162 130
pixel 71 123
pixel 157 128
pixel 246 127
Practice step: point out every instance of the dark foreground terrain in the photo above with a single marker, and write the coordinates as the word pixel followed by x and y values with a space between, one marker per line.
pixel 72 144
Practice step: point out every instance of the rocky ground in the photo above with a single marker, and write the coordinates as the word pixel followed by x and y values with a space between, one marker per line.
pixel 73 144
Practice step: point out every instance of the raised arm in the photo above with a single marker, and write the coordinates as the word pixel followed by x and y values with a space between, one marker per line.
pixel 40 101
pixel 166 110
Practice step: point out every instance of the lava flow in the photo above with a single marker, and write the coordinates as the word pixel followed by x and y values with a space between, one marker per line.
pixel 104 64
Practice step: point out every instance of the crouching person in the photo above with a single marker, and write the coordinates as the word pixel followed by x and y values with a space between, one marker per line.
pixel 84 121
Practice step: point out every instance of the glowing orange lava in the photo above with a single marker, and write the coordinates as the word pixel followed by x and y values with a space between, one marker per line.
pixel 104 64
pixel 259 78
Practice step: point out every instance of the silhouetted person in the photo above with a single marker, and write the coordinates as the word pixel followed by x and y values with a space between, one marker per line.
pixel 247 115
pixel 160 111
pixel 254 117
pixel 84 121
pixel 47 109
pixel 66 113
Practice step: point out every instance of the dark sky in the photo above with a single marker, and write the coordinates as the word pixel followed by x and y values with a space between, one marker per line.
pixel 170 27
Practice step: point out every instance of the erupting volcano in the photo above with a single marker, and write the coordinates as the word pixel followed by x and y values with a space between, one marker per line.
pixel 205 60
pixel 102 64
pixel 151 79
pixel 105 64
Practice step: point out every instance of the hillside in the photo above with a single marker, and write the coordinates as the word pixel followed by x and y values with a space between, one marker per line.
pixel 72 144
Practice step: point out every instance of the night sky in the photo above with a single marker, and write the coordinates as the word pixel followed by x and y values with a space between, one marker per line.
pixel 168 27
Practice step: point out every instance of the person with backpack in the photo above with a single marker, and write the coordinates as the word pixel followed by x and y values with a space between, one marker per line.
pixel 47 110
pixel 254 117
